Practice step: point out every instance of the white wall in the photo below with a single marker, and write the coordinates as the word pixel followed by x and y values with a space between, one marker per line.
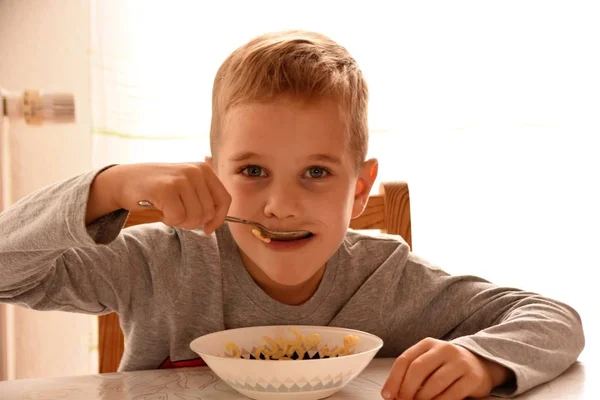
pixel 45 45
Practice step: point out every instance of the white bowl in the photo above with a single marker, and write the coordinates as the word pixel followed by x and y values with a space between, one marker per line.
pixel 299 379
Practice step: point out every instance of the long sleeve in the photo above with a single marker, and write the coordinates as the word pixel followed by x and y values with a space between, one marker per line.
pixel 536 337
pixel 50 260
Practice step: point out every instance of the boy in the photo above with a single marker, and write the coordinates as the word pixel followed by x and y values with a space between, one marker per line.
pixel 288 144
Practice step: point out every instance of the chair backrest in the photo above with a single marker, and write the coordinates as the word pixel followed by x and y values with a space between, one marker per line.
pixel 388 211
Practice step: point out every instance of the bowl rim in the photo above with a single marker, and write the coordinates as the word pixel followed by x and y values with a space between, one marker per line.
pixel 375 349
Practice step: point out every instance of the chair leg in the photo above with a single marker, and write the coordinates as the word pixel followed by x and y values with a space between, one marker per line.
pixel 111 343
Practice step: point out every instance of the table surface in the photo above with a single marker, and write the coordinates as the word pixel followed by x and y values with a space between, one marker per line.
pixel 199 383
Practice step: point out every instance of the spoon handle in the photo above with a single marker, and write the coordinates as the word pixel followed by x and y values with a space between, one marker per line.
pixel 146 203
pixel 239 220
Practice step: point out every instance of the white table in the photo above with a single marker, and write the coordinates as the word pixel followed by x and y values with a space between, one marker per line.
pixel 199 383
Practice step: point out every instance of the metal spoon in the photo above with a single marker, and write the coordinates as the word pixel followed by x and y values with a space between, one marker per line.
pixel 264 231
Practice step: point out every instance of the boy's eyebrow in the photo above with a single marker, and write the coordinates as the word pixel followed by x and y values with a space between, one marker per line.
pixel 315 157
pixel 243 156
pixel 326 157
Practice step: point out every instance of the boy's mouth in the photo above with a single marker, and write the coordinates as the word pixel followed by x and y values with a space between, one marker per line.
pixel 289 245
pixel 303 237
pixel 284 236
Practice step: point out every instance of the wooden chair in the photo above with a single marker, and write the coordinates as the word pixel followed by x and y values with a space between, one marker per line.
pixel 388 211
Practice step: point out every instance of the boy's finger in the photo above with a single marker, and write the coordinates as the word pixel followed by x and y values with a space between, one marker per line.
pixel 194 213
pixel 222 201
pixel 173 210
pixel 392 385
pixel 439 381
pixel 418 371
pixel 205 198
pixel 394 380
pixel 459 390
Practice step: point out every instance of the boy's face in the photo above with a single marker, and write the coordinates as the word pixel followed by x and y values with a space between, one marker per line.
pixel 287 165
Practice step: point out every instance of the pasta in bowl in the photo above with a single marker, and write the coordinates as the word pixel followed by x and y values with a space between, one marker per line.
pixel 285 361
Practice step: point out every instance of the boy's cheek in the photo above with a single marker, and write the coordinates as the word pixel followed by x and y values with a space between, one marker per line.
pixel 243 200
pixel 245 210
pixel 237 230
pixel 335 208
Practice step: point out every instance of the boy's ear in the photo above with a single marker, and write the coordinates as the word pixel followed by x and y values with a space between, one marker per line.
pixel 364 183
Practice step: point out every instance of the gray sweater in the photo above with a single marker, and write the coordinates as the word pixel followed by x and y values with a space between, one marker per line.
pixel 170 286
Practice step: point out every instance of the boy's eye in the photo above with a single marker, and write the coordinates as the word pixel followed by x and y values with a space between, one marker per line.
pixel 254 171
pixel 316 173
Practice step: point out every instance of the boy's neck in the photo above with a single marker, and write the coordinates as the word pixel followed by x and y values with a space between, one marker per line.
pixel 290 295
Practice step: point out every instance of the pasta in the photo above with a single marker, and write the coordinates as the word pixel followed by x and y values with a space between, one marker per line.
pixel 232 347
pixel 297 348
pixel 259 235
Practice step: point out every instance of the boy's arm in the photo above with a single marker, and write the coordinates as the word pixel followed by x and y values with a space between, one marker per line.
pixel 50 259
pixel 535 337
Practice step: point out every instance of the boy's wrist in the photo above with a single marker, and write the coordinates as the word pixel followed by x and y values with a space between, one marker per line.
pixel 103 195
pixel 498 373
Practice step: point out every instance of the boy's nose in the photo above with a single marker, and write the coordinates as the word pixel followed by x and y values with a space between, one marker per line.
pixel 283 202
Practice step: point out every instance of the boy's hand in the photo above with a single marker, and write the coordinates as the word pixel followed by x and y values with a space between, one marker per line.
pixel 187 195
pixel 435 369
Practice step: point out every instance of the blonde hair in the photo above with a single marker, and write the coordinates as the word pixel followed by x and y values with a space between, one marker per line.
pixel 306 65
